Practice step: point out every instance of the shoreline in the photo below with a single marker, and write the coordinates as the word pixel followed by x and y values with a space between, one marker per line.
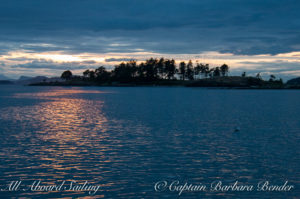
pixel 226 82
pixel 166 85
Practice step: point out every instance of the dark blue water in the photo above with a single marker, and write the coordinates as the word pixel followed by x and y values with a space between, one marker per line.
pixel 127 139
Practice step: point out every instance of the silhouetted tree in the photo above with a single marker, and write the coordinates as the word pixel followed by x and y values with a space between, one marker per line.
pixel 201 69
pixel 122 72
pixel 170 68
pixel 151 71
pixel 102 75
pixel 244 74
pixel 197 70
pixel 92 75
pixel 258 76
pixel 205 70
pixel 141 71
pixel 67 75
pixel 86 73
pixel 161 69
pixel 272 78
pixel 224 69
pixel 182 70
pixel 216 72
pixel 190 70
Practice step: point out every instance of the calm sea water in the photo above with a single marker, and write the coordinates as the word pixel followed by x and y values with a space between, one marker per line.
pixel 128 139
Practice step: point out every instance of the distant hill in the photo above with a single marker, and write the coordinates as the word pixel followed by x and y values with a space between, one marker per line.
pixel 3 77
pixel 294 82
pixel 22 78
pixel 30 80
pixel 38 79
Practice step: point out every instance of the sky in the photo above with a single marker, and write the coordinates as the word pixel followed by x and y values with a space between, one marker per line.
pixel 42 37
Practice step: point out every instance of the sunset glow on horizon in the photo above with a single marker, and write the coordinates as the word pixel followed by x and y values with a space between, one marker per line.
pixel 48 61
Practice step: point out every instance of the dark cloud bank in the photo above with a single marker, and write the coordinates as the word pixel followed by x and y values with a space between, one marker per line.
pixel 171 26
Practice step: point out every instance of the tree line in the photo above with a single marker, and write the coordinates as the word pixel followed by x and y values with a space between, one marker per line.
pixel 149 71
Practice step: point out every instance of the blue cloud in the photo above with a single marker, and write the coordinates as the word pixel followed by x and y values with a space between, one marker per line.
pixel 118 59
pixel 169 26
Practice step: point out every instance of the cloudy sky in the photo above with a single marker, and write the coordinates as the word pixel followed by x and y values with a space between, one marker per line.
pixel 45 37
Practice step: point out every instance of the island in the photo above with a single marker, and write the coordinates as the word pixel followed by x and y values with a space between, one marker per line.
pixel 165 72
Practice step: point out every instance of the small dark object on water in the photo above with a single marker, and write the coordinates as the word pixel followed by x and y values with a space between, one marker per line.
pixel 237 129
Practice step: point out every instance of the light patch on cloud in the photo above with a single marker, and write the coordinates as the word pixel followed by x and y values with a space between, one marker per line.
pixel 52 62
pixel 118 59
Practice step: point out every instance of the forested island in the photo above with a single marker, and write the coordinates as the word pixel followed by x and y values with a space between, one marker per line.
pixel 165 72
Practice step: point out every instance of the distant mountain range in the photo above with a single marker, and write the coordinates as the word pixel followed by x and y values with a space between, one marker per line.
pixel 22 78
pixel 25 80
pixel 29 80
pixel 3 77
pixel 5 80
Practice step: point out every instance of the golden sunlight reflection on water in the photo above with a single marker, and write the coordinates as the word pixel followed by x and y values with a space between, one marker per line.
pixel 68 130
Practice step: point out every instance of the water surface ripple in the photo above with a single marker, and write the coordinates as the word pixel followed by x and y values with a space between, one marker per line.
pixel 127 139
